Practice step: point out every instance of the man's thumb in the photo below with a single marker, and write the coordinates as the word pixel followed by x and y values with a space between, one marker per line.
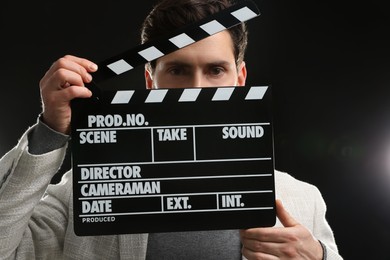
pixel 285 218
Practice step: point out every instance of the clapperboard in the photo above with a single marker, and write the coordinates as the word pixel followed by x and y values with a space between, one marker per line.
pixel 170 160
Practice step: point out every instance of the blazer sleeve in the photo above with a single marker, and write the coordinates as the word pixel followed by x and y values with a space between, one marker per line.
pixel 322 230
pixel 30 223
pixel 306 204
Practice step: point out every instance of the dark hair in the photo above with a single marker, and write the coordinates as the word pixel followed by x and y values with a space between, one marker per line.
pixel 169 15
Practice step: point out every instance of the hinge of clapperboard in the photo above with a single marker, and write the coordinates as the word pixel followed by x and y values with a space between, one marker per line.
pixel 125 62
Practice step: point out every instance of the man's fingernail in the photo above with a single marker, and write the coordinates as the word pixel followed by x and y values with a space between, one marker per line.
pixel 93 67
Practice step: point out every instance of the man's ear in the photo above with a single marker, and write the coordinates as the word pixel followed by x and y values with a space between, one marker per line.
pixel 148 77
pixel 241 79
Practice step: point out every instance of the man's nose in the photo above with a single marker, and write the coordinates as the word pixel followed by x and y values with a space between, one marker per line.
pixel 198 80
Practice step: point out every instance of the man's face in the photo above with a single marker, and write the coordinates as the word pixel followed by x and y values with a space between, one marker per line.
pixel 207 63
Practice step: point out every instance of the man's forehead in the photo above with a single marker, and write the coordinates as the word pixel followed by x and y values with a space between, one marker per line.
pixel 191 63
pixel 218 47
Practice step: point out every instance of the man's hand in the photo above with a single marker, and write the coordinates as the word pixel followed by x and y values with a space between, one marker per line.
pixel 293 241
pixel 63 82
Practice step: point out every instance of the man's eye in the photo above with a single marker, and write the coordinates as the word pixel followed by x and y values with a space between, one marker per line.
pixel 176 71
pixel 217 71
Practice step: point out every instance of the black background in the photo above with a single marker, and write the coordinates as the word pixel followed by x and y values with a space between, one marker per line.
pixel 328 62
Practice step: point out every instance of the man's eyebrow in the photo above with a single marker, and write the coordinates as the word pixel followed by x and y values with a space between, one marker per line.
pixel 188 64
pixel 219 63
pixel 177 63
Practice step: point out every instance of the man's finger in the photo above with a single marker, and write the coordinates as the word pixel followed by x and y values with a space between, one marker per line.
pixel 285 218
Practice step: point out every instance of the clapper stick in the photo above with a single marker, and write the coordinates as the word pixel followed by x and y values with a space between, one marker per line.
pixel 138 56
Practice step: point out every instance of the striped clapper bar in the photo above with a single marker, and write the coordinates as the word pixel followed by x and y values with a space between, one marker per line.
pixel 173 160
pixel 128 60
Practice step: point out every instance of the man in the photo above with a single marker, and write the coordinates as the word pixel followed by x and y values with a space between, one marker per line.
pixel 36 219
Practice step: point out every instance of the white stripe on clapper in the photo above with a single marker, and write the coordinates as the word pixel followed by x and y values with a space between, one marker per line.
pixel 189 95
pixel 223 94
pixel 151 53
pixel 156 96
pixel 213 27
pixel 181 40
pixel 122 97
pixel 244 14
pixel 256 93
pixel 120 66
